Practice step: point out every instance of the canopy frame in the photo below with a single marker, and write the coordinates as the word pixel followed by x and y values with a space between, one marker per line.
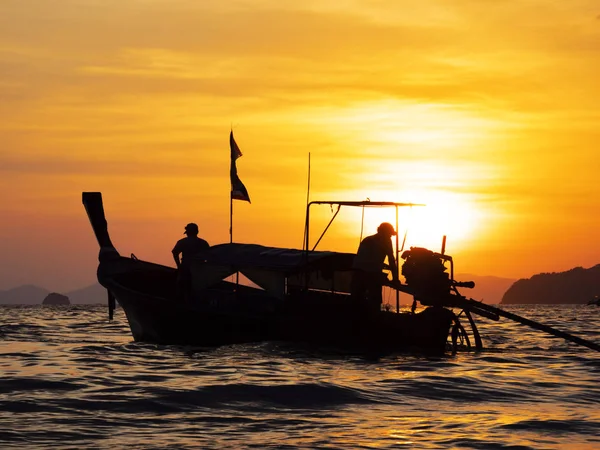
pixel 363 204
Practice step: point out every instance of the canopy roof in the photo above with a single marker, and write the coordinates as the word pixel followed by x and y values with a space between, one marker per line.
pixel 276 259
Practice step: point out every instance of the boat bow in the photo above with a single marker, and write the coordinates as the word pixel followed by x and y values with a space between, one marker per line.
pixel 92 201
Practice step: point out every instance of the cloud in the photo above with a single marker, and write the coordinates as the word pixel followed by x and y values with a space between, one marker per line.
pixel 269 52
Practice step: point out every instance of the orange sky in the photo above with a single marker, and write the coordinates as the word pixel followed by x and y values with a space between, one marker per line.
pixel 485 111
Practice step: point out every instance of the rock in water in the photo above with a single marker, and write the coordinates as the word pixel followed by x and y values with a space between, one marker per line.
pixel 56 299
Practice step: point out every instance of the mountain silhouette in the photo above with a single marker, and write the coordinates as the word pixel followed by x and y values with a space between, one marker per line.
pixel 28 294
pixel 575 286
pixel 488 289
pixel 89 295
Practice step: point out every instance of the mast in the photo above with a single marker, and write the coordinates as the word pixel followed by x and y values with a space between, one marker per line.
pixel 397 263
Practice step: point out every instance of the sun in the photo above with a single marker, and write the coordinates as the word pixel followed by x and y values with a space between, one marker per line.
pixel 445 214
pixel 421 153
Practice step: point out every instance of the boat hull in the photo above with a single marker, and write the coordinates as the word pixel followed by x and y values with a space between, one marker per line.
pixel 229 314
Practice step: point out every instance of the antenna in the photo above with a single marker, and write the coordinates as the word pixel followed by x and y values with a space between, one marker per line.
pixel 305 240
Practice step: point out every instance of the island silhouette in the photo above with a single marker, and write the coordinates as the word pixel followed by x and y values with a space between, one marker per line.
pixel 55 298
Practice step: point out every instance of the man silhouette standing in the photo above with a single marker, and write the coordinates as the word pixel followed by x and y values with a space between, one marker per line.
pixel 187 247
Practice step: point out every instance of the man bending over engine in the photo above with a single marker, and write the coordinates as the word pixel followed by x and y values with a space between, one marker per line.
pixel 367 276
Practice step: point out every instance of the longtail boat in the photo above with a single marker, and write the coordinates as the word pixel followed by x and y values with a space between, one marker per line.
pixel 298 295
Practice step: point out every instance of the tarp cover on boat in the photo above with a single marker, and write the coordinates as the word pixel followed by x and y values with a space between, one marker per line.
pixel 268 267
pixel 274 258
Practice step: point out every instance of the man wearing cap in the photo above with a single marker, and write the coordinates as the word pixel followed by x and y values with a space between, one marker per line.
pixel 187 247
pixel 367 277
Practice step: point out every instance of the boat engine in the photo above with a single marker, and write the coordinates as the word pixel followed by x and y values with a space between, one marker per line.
pixel 426 274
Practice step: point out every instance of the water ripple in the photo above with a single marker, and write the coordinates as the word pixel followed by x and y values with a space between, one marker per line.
pixel 71 379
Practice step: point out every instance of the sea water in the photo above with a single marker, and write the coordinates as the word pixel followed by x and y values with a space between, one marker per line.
pixel 72 379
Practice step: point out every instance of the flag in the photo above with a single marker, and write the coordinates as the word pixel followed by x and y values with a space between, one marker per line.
pixel 238 190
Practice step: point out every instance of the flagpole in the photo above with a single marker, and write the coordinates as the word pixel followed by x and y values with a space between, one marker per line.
pixel 230 217
pixel 231 162
pixel 237 274
pixel 237 188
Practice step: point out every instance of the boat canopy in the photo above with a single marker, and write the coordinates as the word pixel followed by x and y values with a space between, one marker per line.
pixel 272 268
pixel 278 259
